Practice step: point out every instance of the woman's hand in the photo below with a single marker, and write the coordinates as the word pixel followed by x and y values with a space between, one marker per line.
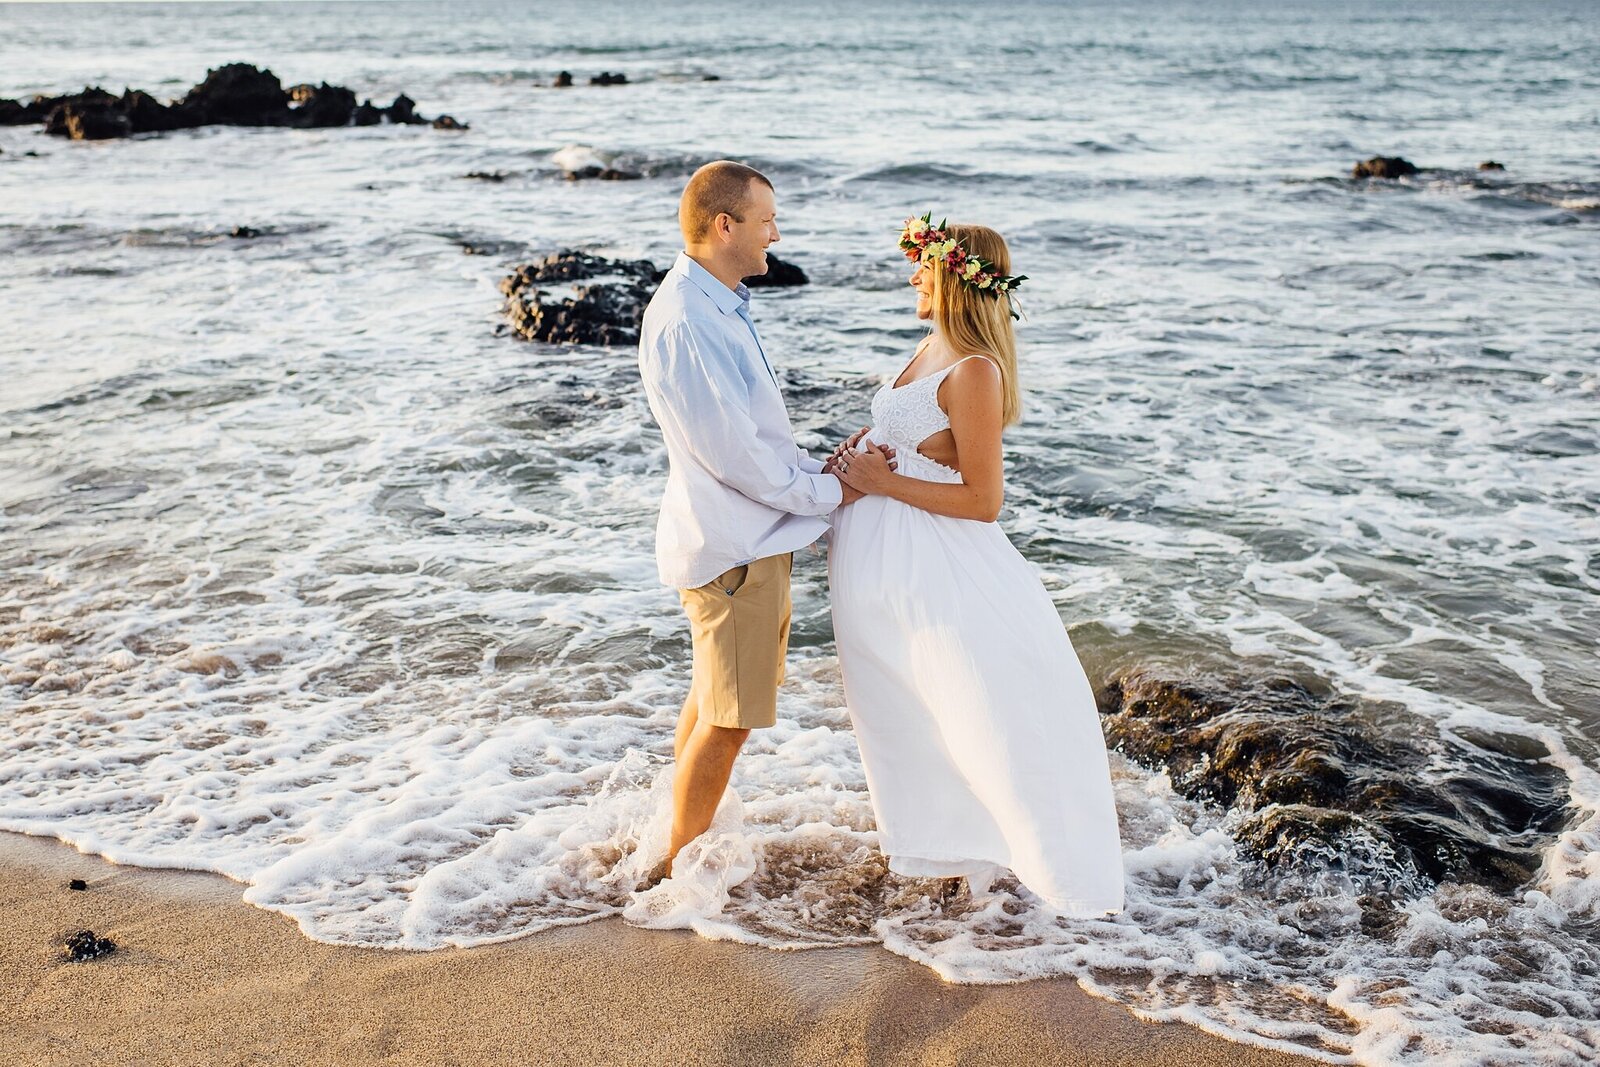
pixel 867 472
pixel 830 466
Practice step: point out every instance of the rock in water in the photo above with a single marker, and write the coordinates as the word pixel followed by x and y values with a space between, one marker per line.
pixel 238 94
pixel 320 106
pixel 403 111
pixel 84 945
pixel 606 77
pixel 1384 167
pixel 607 312
pixel 447 122
pixel 1324 781
pixel 563 80
pixel 1490 164
pixel 605 174
pixel 91 122
pixel 779 273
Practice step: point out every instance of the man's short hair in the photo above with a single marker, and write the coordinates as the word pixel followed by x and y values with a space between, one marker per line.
pixel 720 187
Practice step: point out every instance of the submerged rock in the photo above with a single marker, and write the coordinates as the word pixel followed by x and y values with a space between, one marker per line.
pixel 606 77
pixel 563 80
pixel 607 312
pixel 1490 164
pixel 1384 167
pixel 605 174
pixel 236 94
pixel 779 273
pixel 1325 783
pixel 84 945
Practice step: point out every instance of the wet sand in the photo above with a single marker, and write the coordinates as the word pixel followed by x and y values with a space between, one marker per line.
pixel 201 977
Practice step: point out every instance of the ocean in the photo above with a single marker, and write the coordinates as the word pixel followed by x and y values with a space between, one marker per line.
pixel 313 576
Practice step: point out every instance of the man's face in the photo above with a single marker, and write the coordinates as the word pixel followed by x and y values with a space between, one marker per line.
pixel 759 229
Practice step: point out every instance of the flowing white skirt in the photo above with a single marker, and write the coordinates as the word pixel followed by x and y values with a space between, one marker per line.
pixel 977 726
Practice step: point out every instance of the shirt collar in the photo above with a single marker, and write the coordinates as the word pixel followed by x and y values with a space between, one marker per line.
pixel 727 300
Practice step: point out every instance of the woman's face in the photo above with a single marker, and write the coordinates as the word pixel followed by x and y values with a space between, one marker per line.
pixel 922 282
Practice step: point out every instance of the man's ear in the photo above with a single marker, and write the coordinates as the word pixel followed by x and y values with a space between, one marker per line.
pixel 722 225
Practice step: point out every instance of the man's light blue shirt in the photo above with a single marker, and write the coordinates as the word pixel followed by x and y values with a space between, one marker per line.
pixel 738 486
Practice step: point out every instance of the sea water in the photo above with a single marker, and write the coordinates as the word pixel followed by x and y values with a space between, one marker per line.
pixel 310 577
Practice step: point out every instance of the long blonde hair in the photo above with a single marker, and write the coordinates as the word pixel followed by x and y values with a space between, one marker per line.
pixel 978 323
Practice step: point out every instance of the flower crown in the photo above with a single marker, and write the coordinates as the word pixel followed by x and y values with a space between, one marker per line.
pixel 924 242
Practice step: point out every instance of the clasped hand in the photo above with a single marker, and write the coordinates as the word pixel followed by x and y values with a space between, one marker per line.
pixel 866 471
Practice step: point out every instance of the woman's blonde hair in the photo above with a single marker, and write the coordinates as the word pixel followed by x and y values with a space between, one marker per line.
pixel 975 322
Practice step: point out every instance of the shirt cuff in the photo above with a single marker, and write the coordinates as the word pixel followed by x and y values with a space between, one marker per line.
pixel 835 493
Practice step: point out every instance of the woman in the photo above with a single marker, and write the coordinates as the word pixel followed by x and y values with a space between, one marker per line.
pixel 976 723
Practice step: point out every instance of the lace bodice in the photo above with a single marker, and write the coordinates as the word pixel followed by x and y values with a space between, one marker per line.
pixel 907 416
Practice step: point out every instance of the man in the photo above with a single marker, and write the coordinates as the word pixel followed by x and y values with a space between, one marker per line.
pixel 741 495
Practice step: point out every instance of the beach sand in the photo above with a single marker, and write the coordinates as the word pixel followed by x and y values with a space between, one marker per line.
pixel 200 977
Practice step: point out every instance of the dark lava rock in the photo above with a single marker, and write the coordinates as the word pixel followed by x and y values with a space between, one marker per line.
pixel 244 233
pixel 78 884
pixel 563 80
pixel 236 94
pixel 606 77
pixel 84 945
pixel 779 273
pixel 16 113
pixel 404 111
pixel 607 312
pixel 447 122
pixel 54 115
pixel 711 78
pixel 90 122
pixel 495 176
pixel 149 115
pixel 1326 783
pixel 321 106
pixel 571 265
pixel 1384 167
pixel 1490 164
pixel 605 174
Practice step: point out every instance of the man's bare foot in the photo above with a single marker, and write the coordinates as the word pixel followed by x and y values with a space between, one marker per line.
pixel 658 874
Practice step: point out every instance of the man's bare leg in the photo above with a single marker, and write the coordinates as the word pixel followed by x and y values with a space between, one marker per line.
pixel 705 765
pixel 686 720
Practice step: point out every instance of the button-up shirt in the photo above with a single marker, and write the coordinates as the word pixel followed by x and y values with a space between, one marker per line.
pixel 738 486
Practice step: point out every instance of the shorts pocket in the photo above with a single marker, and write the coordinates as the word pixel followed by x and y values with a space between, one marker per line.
pixel 732 580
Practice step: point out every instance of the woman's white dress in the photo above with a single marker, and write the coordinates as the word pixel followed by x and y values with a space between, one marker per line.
pixel 977 726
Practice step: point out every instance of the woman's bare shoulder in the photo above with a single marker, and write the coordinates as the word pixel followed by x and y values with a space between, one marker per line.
pixel 973 381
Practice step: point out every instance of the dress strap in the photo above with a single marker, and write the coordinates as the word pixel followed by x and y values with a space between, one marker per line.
pixel 953 366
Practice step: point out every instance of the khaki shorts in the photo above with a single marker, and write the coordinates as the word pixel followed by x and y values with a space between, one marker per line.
pixel 739 622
